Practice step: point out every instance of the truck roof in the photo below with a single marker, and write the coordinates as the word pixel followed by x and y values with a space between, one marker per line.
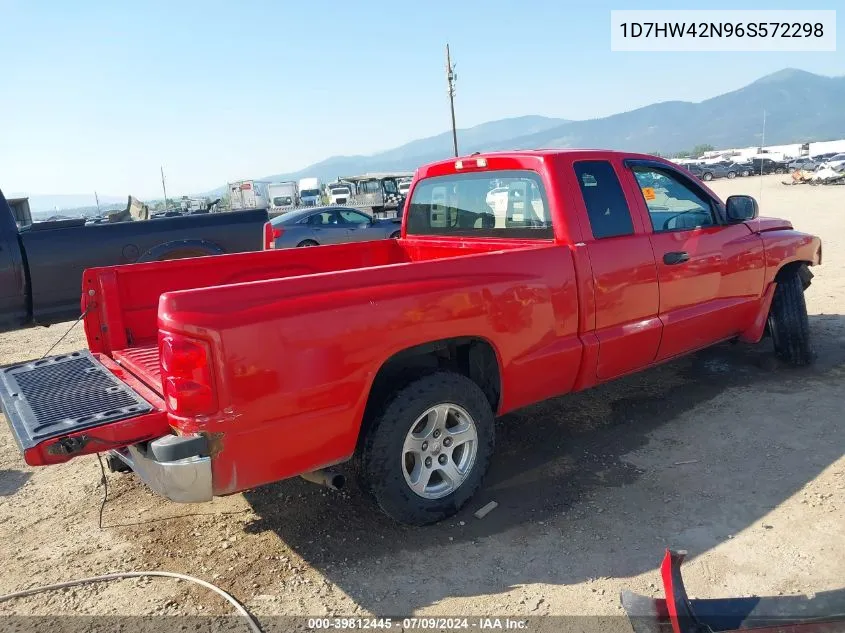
pixel 448 166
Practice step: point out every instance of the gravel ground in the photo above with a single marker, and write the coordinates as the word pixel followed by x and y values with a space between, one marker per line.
pixel 726 454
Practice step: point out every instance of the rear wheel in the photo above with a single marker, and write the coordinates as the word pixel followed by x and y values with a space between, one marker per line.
pixel 731 174
pixel 788 323
pixel 746 172
pixel 425 453
pixel 395 235
pixel 307 243
pixel 707 176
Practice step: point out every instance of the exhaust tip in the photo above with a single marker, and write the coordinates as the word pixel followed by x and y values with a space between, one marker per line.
pixel 337 481
pixel 329 479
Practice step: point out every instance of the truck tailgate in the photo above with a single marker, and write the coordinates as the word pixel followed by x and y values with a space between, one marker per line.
pixel 75 404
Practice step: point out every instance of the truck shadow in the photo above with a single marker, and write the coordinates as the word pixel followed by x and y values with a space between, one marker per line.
pixel 592 484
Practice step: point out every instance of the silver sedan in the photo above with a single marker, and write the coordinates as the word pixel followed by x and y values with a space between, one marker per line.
pixel 330 225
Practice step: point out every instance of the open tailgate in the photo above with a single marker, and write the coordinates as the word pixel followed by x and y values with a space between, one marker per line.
pixel 76 404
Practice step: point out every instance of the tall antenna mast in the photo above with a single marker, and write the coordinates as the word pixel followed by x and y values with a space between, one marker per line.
pixel 163 188
pixel 97 199
pixel 762 145
pixel 450 79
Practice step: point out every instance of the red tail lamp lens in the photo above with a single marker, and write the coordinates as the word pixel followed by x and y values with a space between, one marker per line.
pixel 186 376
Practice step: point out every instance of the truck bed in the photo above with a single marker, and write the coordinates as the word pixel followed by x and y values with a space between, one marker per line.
pixel 129 295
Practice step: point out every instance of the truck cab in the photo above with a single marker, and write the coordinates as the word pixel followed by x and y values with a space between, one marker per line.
pixel 310 192
pixel 340 192
pixel 283 197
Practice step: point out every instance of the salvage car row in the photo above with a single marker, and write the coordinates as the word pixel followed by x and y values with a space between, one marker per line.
pixel 763 166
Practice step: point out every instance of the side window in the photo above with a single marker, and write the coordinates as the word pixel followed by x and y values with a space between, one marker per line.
pixel 605 201
pixel 370 186
pixel 353 217
pixel 672 204
pixel 390 187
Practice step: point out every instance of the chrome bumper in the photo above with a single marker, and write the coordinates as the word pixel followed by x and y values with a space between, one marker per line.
pixel 185 480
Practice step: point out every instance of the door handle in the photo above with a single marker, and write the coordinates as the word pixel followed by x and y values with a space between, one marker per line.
pixel 677 257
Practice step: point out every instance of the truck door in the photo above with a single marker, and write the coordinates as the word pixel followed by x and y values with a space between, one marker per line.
pixel 711 273
pixel 13 303
pixel 624 276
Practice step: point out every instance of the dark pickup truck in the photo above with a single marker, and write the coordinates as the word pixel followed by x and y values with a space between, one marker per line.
pixel 41 264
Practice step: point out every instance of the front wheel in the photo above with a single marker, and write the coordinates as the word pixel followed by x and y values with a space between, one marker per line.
pixel 788 323
pixel 426 453
pixel 304 243
pixel 395 235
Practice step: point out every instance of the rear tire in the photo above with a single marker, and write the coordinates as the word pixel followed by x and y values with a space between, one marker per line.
pixel 788 323
pixel 304 243
pixel 425 452
pixel 731 175
pixel 707 176
pixel 395 235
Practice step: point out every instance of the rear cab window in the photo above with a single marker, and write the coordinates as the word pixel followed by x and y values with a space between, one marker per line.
pixel 508 204
pixel 607 207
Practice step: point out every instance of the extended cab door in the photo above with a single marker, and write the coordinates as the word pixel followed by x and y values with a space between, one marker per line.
pixel 13 301
pixel 624 277
pixel 710 272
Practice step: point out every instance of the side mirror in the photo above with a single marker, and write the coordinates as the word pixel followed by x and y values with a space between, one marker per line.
pixel 741 208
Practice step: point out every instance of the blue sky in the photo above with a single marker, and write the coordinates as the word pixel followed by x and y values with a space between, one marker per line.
pixel 99 94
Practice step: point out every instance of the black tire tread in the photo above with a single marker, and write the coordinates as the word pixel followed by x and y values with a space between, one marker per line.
pixel 384 483
pixel 789 313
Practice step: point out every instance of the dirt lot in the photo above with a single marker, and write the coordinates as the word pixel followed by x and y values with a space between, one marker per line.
pixel 726 454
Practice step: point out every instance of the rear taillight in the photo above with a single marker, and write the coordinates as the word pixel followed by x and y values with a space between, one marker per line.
pixel 271 233
pixel 186 375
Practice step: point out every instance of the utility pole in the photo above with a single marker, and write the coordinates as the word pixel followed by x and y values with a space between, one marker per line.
pixel 164 188
pixel 450 78
pixel 762 146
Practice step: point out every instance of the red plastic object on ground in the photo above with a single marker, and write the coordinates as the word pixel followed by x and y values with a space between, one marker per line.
pixel 677 613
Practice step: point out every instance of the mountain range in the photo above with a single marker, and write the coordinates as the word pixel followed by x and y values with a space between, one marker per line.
pixel 799 107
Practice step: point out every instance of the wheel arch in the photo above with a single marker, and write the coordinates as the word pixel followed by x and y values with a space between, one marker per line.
pixel 160 251
pixel 759 326
pixel 472 356
pixel 799 266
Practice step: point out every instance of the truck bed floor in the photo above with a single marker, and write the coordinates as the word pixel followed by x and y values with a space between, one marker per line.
pixel 142 361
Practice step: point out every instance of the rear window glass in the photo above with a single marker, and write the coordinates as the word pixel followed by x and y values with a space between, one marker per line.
pixel 478 204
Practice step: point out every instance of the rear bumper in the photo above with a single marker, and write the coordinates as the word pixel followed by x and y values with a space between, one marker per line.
pixel 185 480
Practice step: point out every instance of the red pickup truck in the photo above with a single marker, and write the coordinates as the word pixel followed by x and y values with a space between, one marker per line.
pixel 519 276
